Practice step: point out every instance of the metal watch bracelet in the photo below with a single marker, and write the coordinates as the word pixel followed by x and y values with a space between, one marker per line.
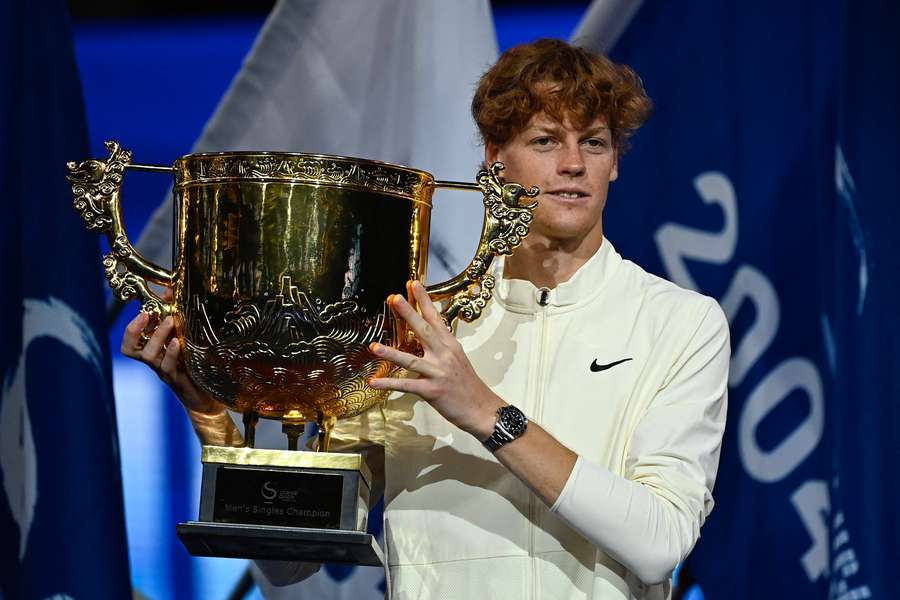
pixel 502 435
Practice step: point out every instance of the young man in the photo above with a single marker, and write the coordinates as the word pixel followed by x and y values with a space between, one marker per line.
pixel 565 445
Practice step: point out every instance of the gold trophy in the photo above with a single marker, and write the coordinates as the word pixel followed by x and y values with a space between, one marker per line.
pixel 281 267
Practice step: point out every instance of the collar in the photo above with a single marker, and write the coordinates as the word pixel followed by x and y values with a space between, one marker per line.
pixel 522 295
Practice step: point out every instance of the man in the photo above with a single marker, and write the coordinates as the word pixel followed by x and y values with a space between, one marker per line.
pixel 565 445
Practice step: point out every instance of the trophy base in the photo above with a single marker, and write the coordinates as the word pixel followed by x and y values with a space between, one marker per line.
pixel 282 505
pixel 266 542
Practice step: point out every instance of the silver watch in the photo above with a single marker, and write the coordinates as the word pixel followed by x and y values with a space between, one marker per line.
pixel 511 424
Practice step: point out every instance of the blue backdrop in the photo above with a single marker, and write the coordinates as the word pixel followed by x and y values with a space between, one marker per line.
pixel 768 179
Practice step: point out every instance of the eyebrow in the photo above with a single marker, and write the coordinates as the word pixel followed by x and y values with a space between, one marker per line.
pixel 557 128
pixel 596 130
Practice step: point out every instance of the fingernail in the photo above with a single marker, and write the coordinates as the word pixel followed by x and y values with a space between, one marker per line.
pixel 173 343
pixel 372 382
pixel 373 347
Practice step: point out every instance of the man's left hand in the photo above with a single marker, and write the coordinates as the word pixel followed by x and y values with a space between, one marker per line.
pixel 446 379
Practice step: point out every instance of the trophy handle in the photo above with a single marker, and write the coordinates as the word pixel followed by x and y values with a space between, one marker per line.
pixel 96 185
pixel 505 224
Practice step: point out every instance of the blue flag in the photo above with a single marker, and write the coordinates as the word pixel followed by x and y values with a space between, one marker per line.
pixel 730 190
pixel 62 529
pixel 862 251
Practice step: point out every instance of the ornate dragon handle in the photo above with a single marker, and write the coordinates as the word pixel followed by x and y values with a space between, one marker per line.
pixel 96 186
pixel 506 222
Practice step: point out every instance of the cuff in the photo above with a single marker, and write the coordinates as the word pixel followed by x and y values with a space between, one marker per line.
pixel 570 485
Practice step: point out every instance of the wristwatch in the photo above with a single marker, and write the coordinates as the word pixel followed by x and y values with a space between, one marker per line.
pixel 511 424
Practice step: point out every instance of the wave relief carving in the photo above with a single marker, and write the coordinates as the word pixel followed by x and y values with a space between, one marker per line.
pixel 293 353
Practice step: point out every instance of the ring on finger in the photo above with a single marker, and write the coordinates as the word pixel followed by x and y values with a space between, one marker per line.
pixel 144 338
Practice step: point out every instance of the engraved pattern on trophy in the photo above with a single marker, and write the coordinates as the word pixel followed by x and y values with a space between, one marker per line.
pixel 321 170
pixel 96 186
pixel 292 355
pixel 509 219
pixel 506 222
pixel 93 184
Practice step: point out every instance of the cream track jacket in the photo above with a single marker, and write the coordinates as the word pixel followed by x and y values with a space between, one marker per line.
pixel 627 370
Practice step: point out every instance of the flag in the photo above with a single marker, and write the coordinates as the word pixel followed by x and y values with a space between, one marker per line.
pixel 861 252
pixel 388 80
pixel 62 532
pixel 728 191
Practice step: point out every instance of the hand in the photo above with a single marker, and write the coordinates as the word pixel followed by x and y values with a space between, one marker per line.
pixel 158 348
pixel 446 379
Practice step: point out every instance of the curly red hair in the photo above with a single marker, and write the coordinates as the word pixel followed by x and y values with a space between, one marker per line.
pixel 563 81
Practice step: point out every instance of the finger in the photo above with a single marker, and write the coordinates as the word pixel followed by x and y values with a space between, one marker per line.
pixel 168 294
pixel 429 312
pixel 412 386
pixel 169 365
pixel 156 343
pixel 131 339
pixel 403 310
pixel 405 360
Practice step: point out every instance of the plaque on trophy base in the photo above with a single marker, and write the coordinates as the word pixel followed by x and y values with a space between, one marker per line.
pixel 283 505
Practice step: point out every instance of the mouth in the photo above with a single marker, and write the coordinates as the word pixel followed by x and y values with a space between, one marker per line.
pixel 569 193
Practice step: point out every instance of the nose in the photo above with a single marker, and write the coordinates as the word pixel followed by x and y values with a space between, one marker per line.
pixel 571 162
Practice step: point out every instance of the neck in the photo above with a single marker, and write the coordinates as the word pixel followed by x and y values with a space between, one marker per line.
pixel 546 263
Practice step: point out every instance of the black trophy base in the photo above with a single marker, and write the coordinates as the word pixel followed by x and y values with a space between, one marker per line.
pixel 269 542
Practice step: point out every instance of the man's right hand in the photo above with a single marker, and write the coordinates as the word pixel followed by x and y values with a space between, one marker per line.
pixel 158 348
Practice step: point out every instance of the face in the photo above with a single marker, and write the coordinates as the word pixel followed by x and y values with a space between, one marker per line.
pixel 572 167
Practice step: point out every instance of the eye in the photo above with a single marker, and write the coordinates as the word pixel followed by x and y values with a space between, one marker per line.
pixel 544 141
pixel 596 143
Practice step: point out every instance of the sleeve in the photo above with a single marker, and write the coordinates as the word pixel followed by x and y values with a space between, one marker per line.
pixel 650 519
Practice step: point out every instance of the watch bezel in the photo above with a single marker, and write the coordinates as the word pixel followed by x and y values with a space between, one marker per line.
pixel 513 420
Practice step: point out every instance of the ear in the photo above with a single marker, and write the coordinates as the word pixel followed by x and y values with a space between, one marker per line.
pixel 614 173
pixel 491 154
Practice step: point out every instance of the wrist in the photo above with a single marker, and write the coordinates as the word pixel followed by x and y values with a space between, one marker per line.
pixel 215 428
pixel 196 401
pixel 484 426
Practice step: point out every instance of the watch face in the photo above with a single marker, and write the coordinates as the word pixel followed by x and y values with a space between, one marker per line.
pixel 513 420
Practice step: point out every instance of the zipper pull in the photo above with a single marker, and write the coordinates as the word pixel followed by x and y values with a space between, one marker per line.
pixel 544 298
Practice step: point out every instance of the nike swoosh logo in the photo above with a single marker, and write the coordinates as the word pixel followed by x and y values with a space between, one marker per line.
pixel 595 368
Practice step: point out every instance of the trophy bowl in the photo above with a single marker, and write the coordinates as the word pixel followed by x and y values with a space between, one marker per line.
pixel 281 267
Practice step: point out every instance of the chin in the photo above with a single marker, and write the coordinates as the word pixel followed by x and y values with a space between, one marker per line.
pixel 562 231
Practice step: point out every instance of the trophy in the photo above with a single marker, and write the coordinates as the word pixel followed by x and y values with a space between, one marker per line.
pixel 282 264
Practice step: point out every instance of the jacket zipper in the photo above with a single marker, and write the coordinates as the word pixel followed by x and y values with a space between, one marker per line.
pixel 543 301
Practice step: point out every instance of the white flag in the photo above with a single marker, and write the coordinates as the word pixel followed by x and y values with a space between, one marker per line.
pixel 389 80
pixel 604 23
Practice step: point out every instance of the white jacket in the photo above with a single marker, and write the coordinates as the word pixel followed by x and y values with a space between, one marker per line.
pixel 648 431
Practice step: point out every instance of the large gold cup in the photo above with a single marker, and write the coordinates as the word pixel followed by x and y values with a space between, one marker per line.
pixel 282 264
pixel 281 267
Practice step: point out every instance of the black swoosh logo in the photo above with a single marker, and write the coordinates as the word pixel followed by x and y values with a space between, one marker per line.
pixel 595 368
